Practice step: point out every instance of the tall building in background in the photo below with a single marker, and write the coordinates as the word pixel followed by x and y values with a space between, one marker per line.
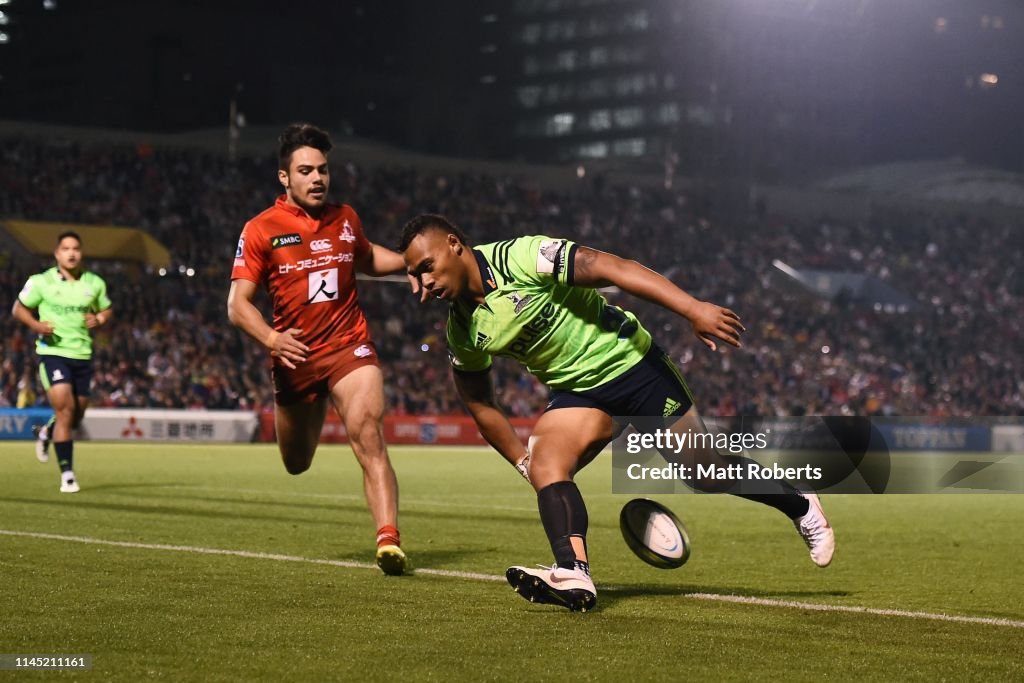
pixel 759 88
pixel 585 79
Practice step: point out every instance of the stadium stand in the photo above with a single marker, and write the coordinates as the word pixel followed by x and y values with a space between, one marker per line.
pixel 170 344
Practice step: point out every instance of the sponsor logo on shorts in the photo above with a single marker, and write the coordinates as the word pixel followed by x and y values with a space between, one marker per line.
pixel 289 240
pixel 362 351
pixel 320 245
pixel 346 233
pixel 671 406
pixel 57 374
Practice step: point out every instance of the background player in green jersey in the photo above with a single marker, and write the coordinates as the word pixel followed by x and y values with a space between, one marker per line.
pixel 70 302
pixel 534 299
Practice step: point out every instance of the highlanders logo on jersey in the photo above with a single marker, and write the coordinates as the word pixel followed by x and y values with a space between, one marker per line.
pixel 519 301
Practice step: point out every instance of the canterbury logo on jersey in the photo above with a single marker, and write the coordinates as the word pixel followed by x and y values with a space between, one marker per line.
pixel 320 245
pixel 278 241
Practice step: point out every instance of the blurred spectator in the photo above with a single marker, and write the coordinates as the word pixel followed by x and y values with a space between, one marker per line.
pixel 170 346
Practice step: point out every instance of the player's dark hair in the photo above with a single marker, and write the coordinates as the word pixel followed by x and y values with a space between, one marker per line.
pixel 426 222
pixel 301 135
pixel 68 233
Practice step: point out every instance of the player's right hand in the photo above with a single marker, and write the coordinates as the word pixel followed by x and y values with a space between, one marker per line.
pixel 289 349
pixel 44 328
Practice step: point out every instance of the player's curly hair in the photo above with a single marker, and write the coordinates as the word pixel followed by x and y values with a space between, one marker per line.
pixel 301 135
pixel 426 222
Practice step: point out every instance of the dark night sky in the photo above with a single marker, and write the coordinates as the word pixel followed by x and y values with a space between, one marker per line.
pixel 404 72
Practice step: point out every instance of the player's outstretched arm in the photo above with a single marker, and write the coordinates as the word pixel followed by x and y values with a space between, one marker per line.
pixel 23 315
pixel 381 261
pixel 244 315
pixel 593 268
pixel 476 389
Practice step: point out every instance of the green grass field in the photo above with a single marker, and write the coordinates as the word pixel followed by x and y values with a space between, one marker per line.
pixel 270 612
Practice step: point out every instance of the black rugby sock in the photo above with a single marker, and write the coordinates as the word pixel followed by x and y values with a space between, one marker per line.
pixel 564 515
pixel 65 453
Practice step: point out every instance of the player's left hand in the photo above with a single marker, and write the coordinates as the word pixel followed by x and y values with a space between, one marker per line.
pixel 712 322
pixel 92 321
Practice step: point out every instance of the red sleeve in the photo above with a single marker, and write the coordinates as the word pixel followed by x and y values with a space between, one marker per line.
pixel 250 256
pixel 363 247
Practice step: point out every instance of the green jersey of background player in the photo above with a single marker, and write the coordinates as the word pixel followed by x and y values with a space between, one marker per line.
pixel 535 299
pixel 70 303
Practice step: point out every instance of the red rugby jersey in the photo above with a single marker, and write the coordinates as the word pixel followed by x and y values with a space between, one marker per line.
pixel 308 267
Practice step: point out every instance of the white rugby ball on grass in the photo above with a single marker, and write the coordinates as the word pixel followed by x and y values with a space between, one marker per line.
pixel 654 534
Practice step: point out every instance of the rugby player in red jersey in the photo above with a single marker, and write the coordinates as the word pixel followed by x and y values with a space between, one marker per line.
pixel 306 252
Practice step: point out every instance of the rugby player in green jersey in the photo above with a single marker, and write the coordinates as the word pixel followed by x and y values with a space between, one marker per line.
pixel 534 299
pixel 71 303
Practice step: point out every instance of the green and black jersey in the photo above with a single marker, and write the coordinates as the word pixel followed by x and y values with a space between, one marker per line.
pixel 569 337
pixel 64 303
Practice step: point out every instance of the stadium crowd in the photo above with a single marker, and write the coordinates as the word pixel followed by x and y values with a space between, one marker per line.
pixel 957 352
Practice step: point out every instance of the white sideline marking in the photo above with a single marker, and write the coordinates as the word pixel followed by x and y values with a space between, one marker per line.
pixel 713 597
pixel 766 602
pixel 240 553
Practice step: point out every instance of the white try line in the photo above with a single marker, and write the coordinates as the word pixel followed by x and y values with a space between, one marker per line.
pixel 712 597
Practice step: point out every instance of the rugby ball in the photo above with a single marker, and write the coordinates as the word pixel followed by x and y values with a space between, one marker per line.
pixel 654 534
